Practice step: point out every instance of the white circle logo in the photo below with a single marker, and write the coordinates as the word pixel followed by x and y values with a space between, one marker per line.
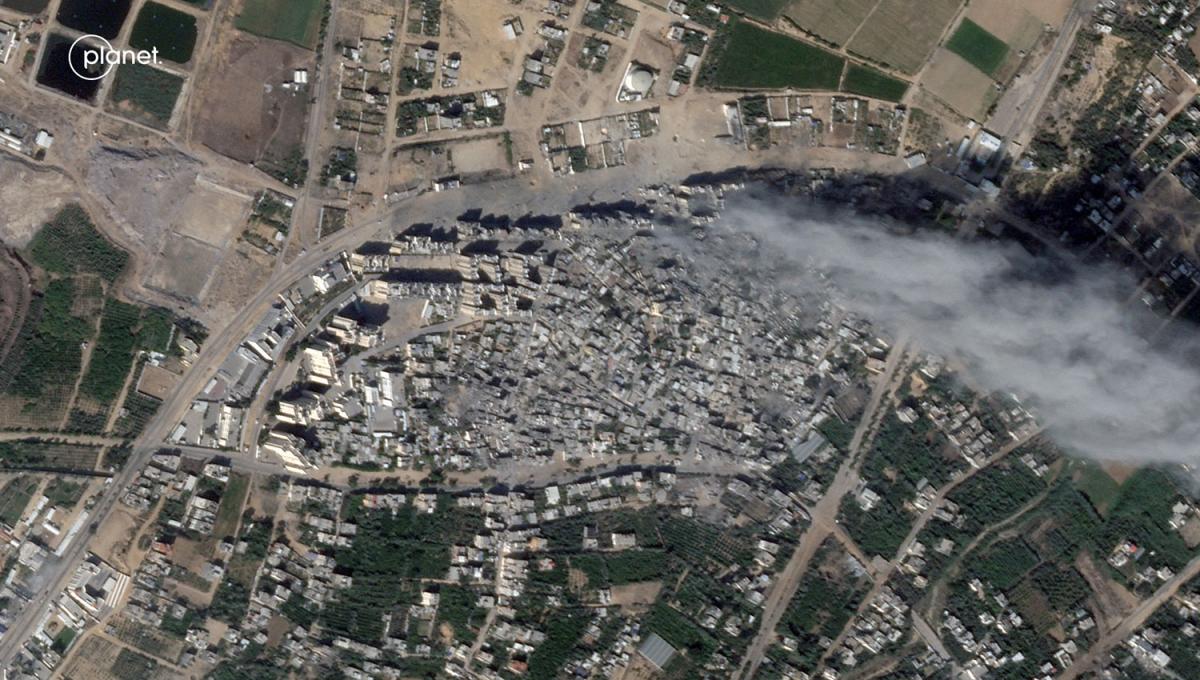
pixel 107 57
pixel 88 59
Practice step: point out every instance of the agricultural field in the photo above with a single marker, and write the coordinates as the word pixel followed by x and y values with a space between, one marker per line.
pixel 294 21
pixel 980 48
pixel 870 82
pixel 756 58
pixel 171 31
pixel 1018 24
pixel 47 455
pixel 767 10
pixel 920 22
pixel 70 244
pixel 15 496
pixel 145 94
pixel 831 20
pixel 960 85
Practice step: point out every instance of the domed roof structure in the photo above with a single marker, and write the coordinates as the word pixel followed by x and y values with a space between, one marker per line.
pixel 639 79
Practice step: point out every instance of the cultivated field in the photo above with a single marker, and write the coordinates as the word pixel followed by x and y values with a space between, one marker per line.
pixel 870 82
pixel 145 94
pixel 902 33
pixel 756 58
pixel 1019 23
pixel 294 21
pixel 960 85
pixel 980 48
pixel 211 215
pixel 831 20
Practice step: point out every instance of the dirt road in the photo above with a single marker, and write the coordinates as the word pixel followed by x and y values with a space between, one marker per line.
pixel 824 519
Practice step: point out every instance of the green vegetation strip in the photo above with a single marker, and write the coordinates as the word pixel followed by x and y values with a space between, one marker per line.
pixel 869 82
pixel 974 43
pixel 767 10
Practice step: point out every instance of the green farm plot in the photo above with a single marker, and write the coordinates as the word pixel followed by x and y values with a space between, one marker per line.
pixel 112 356
pixel 172 32
pixel 870 82
pixel 146 94
pixel 14 497
pixel 757 58
pixel 767 10
pixel 983 50
pixel 50 357
pixel 71 244
pixel 294 21
pixel 1097 485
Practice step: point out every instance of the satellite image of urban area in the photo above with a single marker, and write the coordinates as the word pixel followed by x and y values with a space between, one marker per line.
pixel 582 339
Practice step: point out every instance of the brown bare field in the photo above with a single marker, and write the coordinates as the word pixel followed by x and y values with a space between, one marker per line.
pixel 902 33
pixel 1174 213
pixel 211 215
pixel 482 155
pixel 474 29
pixel 583 91
pixel 30 197
pixel 960 85
pixel 1119 471
pixel 636 597
pixel 831 20
pixel 418 164
pixel 156 382
pixel 243 270
pixel 1049 11
pixel 1113 599
pixel 114 538
pixel 241 109
pixel 183 267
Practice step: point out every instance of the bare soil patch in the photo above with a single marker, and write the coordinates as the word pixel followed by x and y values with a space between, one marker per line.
pixel 183 267
pixel 242 110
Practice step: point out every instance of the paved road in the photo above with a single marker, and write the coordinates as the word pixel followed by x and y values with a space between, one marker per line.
pixel 1016 116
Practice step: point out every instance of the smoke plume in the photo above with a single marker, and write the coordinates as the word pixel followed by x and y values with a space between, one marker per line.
pixel 1065 336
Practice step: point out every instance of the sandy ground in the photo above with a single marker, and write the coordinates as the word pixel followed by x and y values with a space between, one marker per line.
pixel 19 182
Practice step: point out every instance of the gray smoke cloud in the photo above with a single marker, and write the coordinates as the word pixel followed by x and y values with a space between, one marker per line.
pixel 1067 339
